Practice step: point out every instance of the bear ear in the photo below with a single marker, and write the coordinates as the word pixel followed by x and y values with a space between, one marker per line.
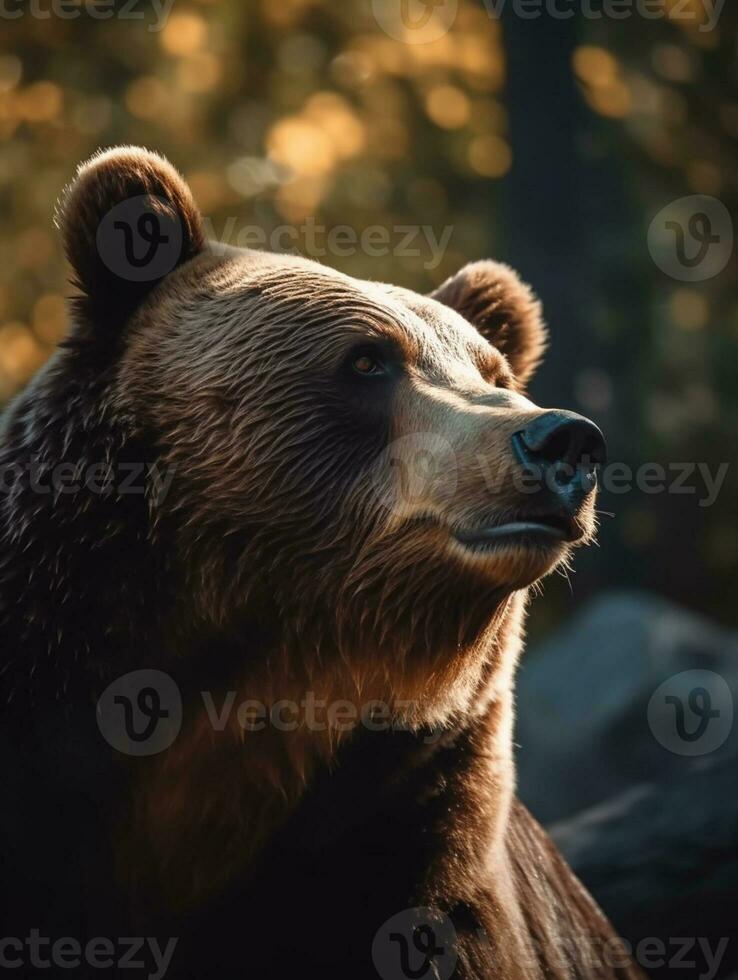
pixel 502 308
pixel 127 220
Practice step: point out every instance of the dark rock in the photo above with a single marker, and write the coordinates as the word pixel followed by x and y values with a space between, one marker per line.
pixel 583 729
pixel 662 861
pixel 644 810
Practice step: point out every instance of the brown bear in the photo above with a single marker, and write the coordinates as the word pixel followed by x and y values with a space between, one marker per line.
pixel 344 498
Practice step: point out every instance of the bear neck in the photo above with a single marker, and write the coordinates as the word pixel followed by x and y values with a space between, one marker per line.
pixel 257 784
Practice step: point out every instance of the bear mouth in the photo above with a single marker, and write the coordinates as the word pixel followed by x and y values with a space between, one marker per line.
pixel 536 530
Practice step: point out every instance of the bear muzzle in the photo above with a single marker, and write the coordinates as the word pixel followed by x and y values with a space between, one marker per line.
pixel 558 456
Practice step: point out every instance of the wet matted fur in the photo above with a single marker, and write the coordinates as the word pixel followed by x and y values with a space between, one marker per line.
pixel 289 557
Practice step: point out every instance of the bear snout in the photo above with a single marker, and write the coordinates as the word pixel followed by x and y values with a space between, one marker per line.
pixel 565 450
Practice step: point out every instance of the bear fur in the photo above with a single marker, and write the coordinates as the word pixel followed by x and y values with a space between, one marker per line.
pixel 284 401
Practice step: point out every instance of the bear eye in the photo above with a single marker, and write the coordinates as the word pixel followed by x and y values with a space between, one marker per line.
pixel 367 363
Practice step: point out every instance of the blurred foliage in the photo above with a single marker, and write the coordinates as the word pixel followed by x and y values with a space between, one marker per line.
pixel 292 111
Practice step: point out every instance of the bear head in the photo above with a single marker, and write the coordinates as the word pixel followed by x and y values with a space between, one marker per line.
pixel 359 483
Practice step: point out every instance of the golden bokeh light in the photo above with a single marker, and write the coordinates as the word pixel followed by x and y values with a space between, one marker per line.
pixel 689 309
pixel 199 72
pixel 335 117
pixel 604 87
pixel 594 65
pixel 49 318
pixel 40 102
pixel 302 146
pixel 184 34
pixel 490 156
pixel 448 106
pixel 146 97
pixel 298 199
pixel 287 12
pixel 209 188
pixel 20 354
pixel 483 63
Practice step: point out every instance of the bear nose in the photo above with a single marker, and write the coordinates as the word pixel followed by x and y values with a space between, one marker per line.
pixel 565 448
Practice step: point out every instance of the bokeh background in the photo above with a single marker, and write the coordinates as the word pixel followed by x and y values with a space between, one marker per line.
pixel 550 144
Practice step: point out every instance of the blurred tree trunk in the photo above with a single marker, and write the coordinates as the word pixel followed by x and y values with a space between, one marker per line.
pixel 545 222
